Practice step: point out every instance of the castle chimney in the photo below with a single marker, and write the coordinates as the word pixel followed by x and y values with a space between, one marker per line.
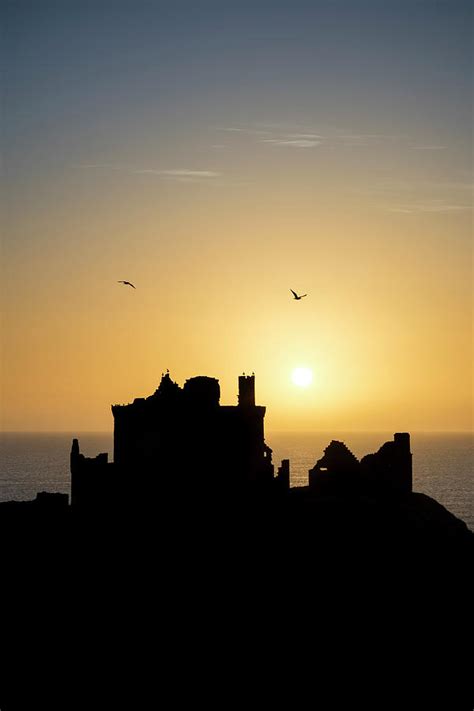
pixel 74 455
pixel 246 390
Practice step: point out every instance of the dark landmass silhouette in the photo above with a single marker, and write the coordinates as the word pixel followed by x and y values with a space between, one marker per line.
pixel 187 571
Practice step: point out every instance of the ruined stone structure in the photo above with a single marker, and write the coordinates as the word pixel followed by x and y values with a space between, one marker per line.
pixel 387 471
pixel 180 441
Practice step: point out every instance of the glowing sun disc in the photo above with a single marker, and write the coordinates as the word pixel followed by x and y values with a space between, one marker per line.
pixel 302 377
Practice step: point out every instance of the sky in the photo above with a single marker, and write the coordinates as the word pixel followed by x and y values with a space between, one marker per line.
pixel 217 155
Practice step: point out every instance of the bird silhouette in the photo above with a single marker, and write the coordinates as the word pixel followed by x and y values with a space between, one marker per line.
pixel 128 283
pixel 296 295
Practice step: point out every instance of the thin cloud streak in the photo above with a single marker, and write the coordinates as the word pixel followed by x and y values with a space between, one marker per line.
pixel 292 138
pixel 292 143
pixel 310 136
pixel 403 187
pixel 179 173
pixel 428 207
pixel 245 131
pixel 306 137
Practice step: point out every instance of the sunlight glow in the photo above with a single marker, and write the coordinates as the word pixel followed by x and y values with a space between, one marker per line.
pixel 302 377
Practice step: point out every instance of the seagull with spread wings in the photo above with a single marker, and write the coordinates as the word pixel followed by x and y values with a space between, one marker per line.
pixel 128 283
pixel 296 295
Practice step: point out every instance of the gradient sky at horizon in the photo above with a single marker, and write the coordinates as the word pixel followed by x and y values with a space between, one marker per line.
pixel 217 155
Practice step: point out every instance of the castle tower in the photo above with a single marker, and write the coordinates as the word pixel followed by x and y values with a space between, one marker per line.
pixel 246 390
pixel 75 460
pixel 403 461
pixel 75 455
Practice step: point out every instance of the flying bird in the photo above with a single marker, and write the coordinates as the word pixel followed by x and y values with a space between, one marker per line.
pixel 296 295
pixel 128 283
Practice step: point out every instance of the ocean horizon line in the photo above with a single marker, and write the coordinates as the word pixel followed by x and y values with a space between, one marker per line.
pixel 268 432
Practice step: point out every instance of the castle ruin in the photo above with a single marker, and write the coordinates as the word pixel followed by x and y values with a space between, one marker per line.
pixel 182 444
pixel 180 441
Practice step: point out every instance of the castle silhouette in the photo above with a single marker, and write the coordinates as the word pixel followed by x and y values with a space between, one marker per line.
pixel 183 442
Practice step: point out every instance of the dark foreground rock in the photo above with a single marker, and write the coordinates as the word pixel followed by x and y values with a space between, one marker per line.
pixel 301 601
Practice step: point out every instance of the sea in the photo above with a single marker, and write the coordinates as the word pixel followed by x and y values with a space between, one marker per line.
pixel 443 463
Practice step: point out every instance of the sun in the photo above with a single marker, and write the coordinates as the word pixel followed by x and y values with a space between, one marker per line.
pixel 303 377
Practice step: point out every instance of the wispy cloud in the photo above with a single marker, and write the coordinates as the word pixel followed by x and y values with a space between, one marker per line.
pixel 304 135
pixel 433 206
pixel 275 134
pixel 428 187
pixel 293 142
pixel 245 131
pixel 179 173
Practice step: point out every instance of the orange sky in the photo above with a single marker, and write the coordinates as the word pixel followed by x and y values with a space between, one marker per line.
pixel 386 326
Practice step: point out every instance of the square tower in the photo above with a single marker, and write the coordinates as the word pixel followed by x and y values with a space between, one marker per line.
pixel 246 390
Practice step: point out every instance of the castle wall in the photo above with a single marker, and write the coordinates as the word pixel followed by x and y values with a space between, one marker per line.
pixel 391 467
pixel 389 470
pixel 92 480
